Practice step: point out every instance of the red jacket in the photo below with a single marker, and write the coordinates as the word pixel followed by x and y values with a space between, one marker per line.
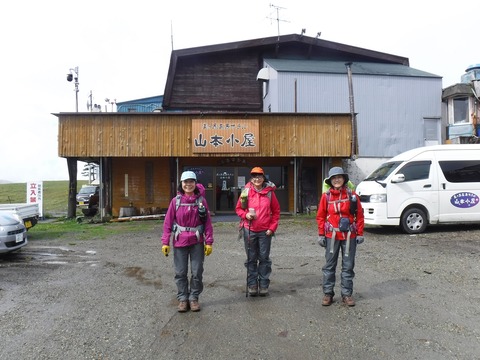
pixel 328 215
pixel 266 207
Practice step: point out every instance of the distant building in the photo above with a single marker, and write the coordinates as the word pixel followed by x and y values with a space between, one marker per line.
pixel 460 107
pixel 148 104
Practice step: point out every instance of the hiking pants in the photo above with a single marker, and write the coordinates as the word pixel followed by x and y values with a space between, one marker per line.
pixel 258 264
pixel 181 256
pixel 348 263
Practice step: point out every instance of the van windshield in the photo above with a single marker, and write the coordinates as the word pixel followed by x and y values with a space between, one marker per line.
pixel 382 172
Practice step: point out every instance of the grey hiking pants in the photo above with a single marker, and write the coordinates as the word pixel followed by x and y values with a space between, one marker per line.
pixel 348 263
pixel 181 256
pixel 258 264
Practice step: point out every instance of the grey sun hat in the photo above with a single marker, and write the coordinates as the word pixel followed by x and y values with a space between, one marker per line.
pixel 334 172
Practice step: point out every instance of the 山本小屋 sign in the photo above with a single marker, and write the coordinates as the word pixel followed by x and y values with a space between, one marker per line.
pixel 35 194
pixel 225 136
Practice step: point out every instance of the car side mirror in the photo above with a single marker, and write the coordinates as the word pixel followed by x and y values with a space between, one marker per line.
pixel 398 178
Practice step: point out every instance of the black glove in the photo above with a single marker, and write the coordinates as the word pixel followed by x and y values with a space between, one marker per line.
pixel 322 241
pixel 360 239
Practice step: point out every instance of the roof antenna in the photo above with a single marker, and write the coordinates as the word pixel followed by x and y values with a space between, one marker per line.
pixel 171 32
pixel 277 9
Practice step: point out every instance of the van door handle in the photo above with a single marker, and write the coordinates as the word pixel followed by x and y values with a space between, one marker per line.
pixel 427 186
pixel 443 186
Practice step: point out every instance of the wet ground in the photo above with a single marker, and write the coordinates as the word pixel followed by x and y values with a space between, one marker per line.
pixel 418 297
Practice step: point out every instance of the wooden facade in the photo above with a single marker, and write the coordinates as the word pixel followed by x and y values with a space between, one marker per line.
pixel 141 154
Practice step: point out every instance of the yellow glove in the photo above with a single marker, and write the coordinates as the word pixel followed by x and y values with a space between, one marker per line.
pixel 165 250
pixel 208 250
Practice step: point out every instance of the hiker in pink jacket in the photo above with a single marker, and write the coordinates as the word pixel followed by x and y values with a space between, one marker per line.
pixel 259 211
pixel 189 225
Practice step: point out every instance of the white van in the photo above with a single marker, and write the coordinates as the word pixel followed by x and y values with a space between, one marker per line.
pixel 427 185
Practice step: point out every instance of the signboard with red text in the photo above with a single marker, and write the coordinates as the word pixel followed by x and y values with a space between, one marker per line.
pixel 35 194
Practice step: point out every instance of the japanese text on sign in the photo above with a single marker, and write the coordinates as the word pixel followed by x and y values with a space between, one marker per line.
pixel 225 136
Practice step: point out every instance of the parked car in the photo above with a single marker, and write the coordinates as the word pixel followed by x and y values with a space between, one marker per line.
pixel 13 233
pixel 87 199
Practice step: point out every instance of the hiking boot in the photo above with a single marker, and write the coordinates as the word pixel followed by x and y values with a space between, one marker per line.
pixel 348 300
pixel 194 305
pixel 253 290
pixel 263 291
pixel 327 300
pixel 183 306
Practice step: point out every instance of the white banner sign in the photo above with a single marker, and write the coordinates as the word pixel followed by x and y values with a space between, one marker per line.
pixel 35 194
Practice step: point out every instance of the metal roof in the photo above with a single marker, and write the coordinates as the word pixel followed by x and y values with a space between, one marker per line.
pixel 338 67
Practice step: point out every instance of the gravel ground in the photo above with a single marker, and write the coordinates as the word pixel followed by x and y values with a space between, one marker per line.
pixel 418 297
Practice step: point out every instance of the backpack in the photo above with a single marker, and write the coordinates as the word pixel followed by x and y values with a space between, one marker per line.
pixel 202 212
pixel 351 198
pixel 179 198
pixel 244 197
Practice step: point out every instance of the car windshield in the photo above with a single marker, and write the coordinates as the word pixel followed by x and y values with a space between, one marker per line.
pixel 87 190
pixel 7 219
pixel 383 171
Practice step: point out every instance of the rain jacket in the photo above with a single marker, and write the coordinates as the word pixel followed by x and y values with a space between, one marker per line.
pixel 187 216
pixel 328 215
pixel 266 207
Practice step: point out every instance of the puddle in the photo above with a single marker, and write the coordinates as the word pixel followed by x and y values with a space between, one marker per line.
pixel 52 255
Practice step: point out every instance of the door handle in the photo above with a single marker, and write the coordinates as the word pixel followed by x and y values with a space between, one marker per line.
pixel 443 186
pixel 427 186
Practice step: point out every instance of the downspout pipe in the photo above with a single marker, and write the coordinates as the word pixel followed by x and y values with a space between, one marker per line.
pixel 354 148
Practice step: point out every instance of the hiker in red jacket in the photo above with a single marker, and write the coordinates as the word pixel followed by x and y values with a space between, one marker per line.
pixel 340 227
pixel 259 211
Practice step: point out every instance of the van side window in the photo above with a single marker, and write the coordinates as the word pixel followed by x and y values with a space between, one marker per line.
pixel 416 170
pixel 461 171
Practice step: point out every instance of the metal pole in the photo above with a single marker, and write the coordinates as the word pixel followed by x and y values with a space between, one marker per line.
pixel 354 149
pixel 76 87
pixel 101 200
pixel 295 191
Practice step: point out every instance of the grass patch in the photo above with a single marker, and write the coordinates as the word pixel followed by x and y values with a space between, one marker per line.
pixel 73 231
pixel 55 196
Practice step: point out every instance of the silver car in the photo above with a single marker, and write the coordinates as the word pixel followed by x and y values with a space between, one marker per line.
pixel 13 234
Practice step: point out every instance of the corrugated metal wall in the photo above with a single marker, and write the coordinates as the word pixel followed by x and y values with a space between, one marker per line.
pixel 390 109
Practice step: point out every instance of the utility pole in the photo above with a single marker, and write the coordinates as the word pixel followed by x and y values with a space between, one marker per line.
pixel 73 75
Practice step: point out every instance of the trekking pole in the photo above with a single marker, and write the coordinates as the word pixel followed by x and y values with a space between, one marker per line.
pixel 248 256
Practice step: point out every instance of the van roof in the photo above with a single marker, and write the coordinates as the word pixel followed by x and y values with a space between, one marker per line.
pixel 445 147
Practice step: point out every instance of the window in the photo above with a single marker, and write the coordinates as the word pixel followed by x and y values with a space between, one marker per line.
pixel 461 171
pixel 460 110
pixel 416 170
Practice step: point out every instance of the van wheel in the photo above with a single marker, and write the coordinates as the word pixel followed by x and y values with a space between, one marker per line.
pixel 414 221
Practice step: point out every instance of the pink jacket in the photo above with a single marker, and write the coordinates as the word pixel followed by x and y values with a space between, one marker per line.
pixel 187 216
pixel 266 207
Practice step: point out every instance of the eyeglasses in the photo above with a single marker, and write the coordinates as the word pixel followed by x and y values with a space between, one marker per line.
pixel 257 176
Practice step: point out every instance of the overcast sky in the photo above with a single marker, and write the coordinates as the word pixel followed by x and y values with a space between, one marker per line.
pixel 122 51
